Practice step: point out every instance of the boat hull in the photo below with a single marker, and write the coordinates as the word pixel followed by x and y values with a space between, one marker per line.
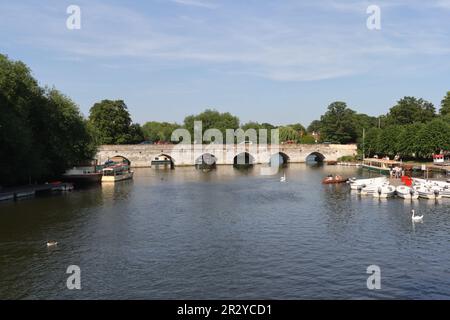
pixel 385 171
pixel 6 196
pixel 121 177
pixel 83 178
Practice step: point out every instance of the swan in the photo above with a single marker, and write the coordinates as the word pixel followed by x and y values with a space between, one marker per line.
pixel 283 178
pixel 414 217
pixel 52 243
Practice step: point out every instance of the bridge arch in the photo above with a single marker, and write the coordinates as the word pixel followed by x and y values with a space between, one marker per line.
pixel 163 161
pixel 315 157
pixel 206 160
pixel 243 159
pixel 119 159
pixel 279 158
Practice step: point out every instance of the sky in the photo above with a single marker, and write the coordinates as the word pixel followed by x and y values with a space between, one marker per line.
pixel 268 61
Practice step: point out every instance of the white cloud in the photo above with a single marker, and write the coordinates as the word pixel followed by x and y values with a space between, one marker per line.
pixel 273 48
pixel 197 3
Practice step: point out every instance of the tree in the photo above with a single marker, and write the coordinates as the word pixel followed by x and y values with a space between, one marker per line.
pixel 407 141
pixel 314 127
pixel 445 105
pixel 409 110
pixel 307 139
pixel 42 132
pixel 159 131
pixel 432 138
pixel 389 140
pixel 111 123
pixel 136 134
pixel 212 119
pixel 337 124
pixel 372 142
pixel 298 127
pixel 287 133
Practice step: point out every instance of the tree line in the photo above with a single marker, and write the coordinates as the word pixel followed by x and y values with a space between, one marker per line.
pixel 42 131
pixel 412 128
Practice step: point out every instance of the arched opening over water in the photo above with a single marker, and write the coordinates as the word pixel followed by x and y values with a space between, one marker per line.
pixel 206 161
pixel 279 159
pixel 243 160
pixel 163 161
pixel 119 159
pixel 315 158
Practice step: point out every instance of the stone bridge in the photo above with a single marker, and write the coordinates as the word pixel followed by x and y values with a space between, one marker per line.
pixel 142 155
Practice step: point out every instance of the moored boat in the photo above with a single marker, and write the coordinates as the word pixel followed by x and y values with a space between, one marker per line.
pixel 428 192
pixel 6 196
pixel 88 172
pixel 116 173
pixel 382 166
pixel 384 191
pixel 333 180
pixel 358 184
pixel 25 194
pixel 445 193
pixel 407 193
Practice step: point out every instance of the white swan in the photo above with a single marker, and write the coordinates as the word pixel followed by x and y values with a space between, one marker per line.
pixel 414 217
pixel 283 178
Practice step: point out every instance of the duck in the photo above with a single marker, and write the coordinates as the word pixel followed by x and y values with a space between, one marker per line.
pixel 414 217
pixel 52 243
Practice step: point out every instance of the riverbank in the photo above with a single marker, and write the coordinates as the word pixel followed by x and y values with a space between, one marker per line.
pixel 19 192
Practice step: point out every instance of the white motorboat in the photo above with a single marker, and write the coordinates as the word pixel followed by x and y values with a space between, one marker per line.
pixel 439 183
pixel 445 192
pixel 428 192
pixel 372 188
pixel 358 184
pixel 407 193
pixel 384 191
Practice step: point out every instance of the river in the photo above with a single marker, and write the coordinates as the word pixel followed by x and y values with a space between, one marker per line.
pixel 226 234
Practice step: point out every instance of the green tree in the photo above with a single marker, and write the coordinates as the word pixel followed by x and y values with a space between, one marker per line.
pixel 212 119
pixel 307 139
pixel 408 146
pixel 314 126
pixel 337 124
pixel 372 142
pixel 111 123
pixel 42 132
pixel 298 127
pixel 445 105
pixel 389 140
pixel 409 110
pixel 159 131
pixel 287 133
pixel 432 138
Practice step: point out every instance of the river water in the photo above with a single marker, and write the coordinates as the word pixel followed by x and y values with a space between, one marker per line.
pixel 226 234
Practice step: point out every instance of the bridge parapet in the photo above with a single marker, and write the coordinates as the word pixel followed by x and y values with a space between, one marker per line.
pixel 141 155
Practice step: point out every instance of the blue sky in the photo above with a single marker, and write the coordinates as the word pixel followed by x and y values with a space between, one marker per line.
pixel 268 61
